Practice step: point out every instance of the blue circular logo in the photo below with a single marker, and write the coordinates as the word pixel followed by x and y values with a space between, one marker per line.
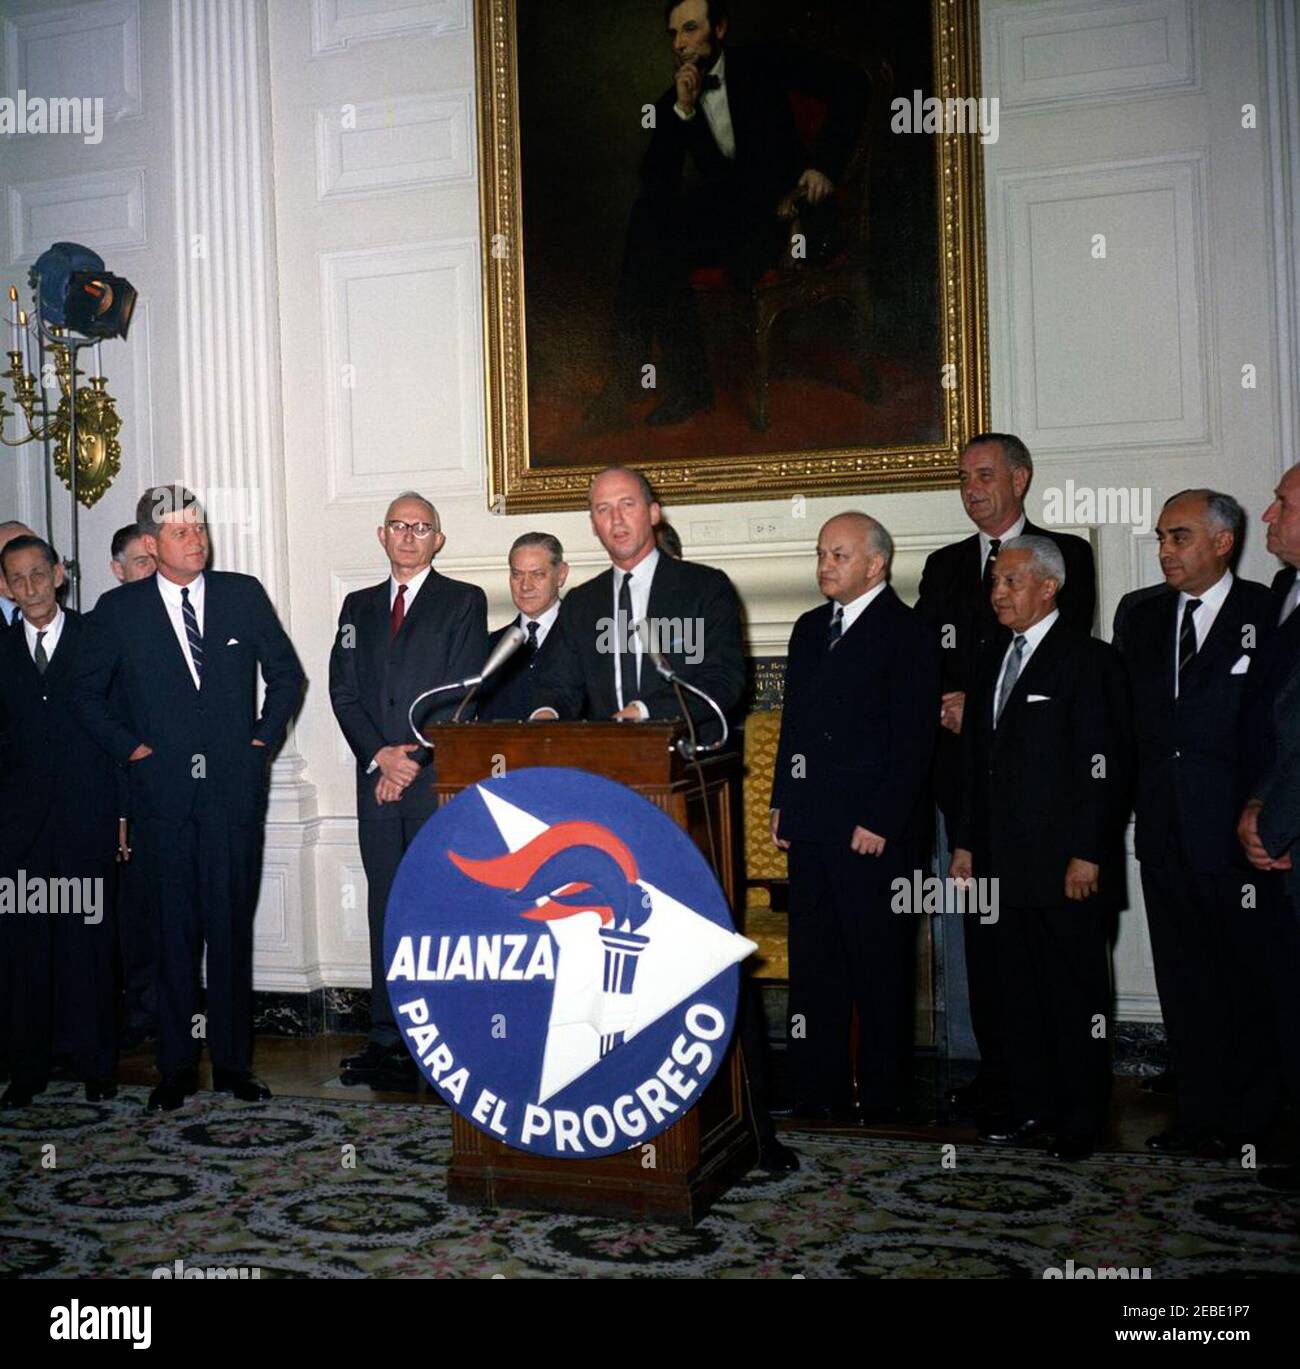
pixel 561 962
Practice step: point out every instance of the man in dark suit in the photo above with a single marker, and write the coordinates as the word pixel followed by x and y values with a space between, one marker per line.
pixel 413 630
pixel 1188 651
pixel 129 561
pixel 857 737
pixel 537 575
pixel 58 823
pixel 725 165
pixel 1045 801
pixel 185 646
pixel 995 471
pixel 9 529
pixel 595 663
pixel 1268 827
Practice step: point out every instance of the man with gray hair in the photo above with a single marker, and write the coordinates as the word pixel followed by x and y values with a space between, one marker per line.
pixel 1189 650
pixel 412 630
pixel 537 575
pixel 857 735
pixel 9 529
pixel 1045 802
pixel 994 472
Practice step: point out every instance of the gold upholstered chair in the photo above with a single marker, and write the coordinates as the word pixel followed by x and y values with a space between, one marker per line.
pixel 765 864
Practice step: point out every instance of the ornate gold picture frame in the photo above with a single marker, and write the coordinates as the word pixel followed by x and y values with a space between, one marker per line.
pixel 864 368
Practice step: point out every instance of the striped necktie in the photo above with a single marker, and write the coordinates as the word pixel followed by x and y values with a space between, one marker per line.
pixel 192 634
pixel 836 628
pixel 1187 643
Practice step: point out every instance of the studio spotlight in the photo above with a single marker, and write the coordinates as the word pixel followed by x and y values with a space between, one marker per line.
pixel 76 292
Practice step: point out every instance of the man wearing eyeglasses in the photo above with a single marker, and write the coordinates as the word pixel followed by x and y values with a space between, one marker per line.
pixel 396 639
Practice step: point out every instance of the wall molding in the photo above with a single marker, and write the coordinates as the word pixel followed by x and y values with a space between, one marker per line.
pixel 118 195
pixel 336 25
pixel 436 131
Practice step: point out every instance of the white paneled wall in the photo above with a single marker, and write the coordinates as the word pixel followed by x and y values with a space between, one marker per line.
pixel 1141 252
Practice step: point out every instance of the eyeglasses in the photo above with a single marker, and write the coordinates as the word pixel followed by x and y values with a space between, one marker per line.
pixel 421 530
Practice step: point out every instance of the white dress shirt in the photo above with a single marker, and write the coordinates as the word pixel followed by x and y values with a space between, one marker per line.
pixel 53 630
pixel 1203 618
pixel 716 110
pixel 413 586
pixel 643 574
pixel 171 597
pixel 986 541
pixel 545 621
pixel 853 609
pixel 1032 635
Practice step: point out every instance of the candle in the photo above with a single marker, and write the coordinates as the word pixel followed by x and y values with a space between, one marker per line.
pixel 13 314
pixel 99 364
pixel 22 328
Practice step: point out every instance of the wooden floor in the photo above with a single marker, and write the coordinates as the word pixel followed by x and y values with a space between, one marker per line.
pixel 309 1068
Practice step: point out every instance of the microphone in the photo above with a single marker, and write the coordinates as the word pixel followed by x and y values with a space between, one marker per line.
pixel 511 640
pixel 668 673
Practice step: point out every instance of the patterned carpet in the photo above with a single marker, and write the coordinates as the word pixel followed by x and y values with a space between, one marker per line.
pixel 224 1184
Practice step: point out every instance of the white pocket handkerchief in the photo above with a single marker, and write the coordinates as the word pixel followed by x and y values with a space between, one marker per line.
pixel 1242 666
pixel 234 641
pixel 1038 699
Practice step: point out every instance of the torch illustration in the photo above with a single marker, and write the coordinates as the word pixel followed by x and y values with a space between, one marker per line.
pixel 572 868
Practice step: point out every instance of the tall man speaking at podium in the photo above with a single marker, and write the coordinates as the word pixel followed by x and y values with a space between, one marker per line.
pixel 595 663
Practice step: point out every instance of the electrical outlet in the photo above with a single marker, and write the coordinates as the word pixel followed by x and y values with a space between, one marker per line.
pixel 764 529
pixel 710 531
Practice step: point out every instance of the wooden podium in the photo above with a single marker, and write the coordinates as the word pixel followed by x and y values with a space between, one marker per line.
pixel 701 1155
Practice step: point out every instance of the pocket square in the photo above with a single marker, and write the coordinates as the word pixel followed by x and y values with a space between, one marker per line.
pixel 234 641
pixel 1038 699
pixel 1242 666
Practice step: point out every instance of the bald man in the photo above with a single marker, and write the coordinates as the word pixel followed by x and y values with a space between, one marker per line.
pixel 857 736
pixel 412 630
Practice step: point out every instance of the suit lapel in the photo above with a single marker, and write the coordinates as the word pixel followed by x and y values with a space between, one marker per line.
pixel 1038 668
pixel 61 662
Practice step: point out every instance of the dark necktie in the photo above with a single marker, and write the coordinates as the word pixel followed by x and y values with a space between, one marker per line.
pixel 628 653
pixel 995 544
pixel 1187 637
pixel 533 647
pixel 836 628
pixel 1010 676
pixel 192 635
pixel 39 656
pixel 397 614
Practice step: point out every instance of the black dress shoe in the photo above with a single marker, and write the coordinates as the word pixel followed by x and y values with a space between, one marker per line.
pixel 1012 1133
pixel 1071 1146
pixel 1164 1083
pixel 775 1158
pixel 677 410
pixel 367 1062
pixel 173 1091
pixel 1177 1140
pixel 20 1093
pixel 1281 1178
pixel 241 1084
pixel 100 1090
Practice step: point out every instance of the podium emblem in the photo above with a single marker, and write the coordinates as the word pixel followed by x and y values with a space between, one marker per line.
pixel 562 962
